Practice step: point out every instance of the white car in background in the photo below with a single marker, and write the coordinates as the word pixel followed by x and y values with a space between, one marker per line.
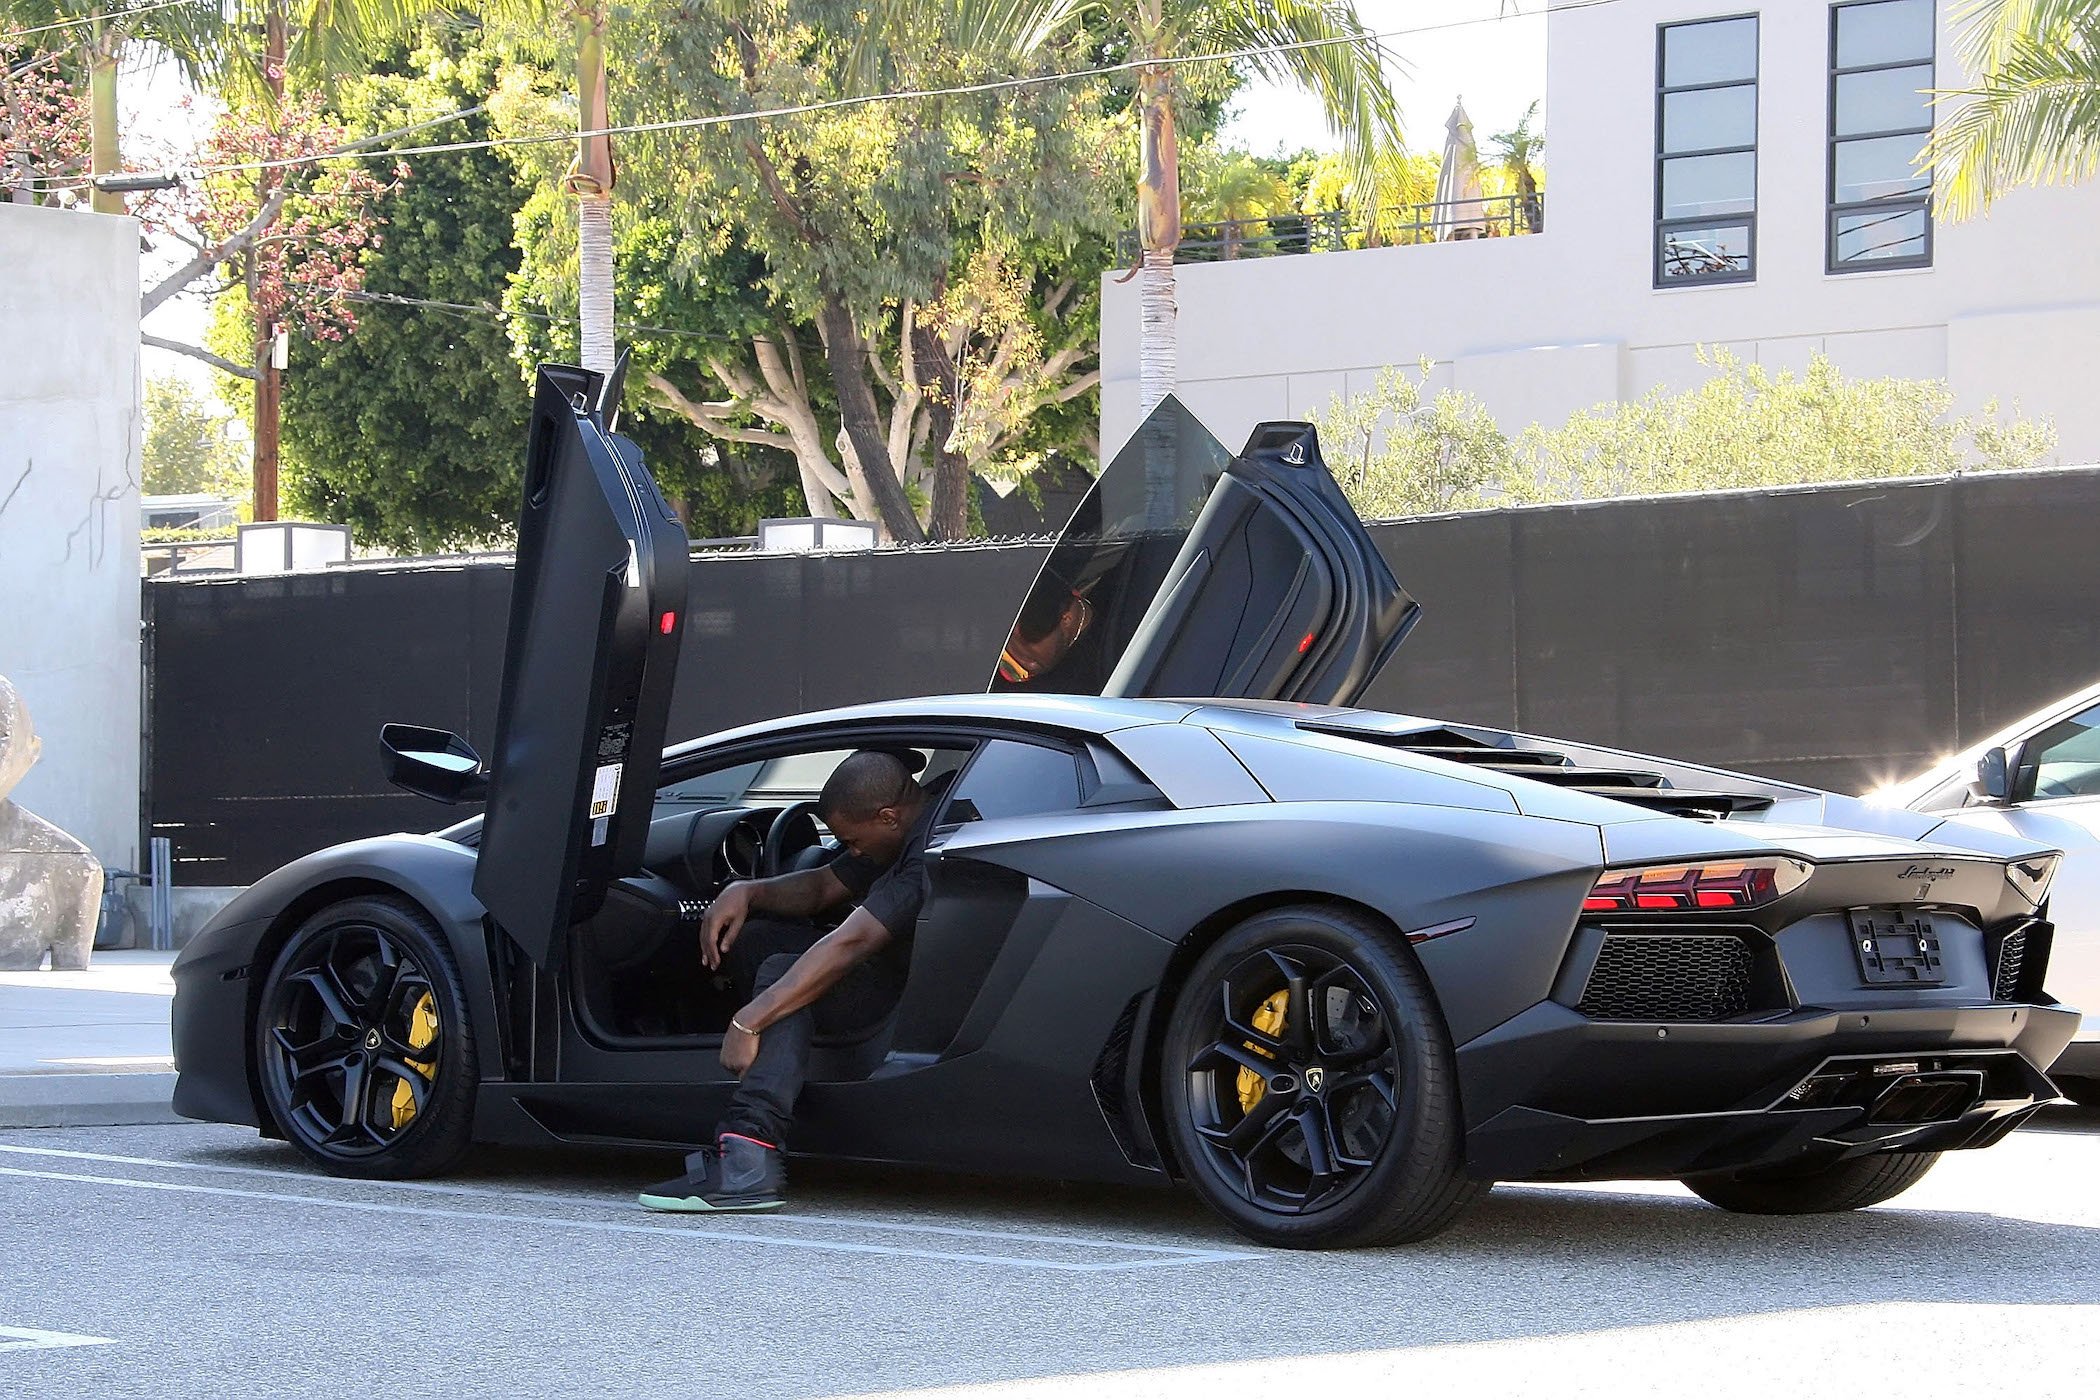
pixel 2040 779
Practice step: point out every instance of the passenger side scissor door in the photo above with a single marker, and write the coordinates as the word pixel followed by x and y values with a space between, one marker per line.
pixel 1188 573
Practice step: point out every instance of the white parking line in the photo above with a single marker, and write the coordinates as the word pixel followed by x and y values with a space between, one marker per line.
pixel 32 1339
pixel 1172 1254
pixel 708 1234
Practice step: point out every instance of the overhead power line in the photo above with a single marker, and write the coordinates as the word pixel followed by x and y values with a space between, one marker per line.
pixel 469 308
pixel 113 17
pixel 868 99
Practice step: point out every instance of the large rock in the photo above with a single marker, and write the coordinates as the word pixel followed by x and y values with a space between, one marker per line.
pixel 50 884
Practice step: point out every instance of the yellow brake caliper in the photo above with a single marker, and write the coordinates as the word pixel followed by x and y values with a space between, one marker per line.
pixel 422 1033
pixel 1268 1019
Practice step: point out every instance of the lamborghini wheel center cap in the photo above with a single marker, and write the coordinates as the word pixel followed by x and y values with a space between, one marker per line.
pixel 1315 1079
pixel 372 1039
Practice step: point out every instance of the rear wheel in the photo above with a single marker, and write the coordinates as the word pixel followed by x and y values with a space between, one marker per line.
pixel 1310 1087
pixel 2079 1089
pixel 1850 1185
pixel 363 1044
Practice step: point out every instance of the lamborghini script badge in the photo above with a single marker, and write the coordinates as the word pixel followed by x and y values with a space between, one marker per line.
pixel 1925 875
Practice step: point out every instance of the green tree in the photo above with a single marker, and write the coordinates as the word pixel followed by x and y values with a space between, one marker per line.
pixel 1748 427
pixel 189 448
pixel 2032 116
pixel 1397 452
pixel 411 428
pixel 885 292
pixel 1320 46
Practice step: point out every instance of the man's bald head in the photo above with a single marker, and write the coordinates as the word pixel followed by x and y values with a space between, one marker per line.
pixel 863 785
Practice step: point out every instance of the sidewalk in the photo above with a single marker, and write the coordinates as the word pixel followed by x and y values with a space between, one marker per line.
pixel 80 1049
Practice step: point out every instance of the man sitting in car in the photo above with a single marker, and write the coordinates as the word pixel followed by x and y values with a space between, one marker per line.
pixel 800 980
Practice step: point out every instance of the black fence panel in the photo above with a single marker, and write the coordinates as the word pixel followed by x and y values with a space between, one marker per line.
pixel 1839 636
pixel 2027 614
pixel 1460 662
pixel 1803 634
pixel 770 635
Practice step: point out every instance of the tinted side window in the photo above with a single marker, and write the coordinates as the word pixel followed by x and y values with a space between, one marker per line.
pixel 1012 779
pixel 2065 757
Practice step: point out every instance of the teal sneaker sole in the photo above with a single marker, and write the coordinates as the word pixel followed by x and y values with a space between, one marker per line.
pixel 700 1205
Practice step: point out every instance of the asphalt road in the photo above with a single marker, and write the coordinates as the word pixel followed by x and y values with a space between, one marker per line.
pixel 200 1261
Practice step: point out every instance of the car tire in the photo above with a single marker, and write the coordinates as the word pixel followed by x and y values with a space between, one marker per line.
pixel 1352 1071
pixel 1849 1185
pixel 363 1045
pixel 2080 1090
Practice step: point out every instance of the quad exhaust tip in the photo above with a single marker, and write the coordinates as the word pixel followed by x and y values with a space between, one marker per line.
pixel 1894 1091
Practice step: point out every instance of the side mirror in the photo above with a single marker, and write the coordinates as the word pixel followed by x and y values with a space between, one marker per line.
pixel 434 763
pixel 1993 780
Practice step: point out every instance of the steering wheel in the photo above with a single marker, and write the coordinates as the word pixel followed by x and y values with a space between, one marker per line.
pixel 795 826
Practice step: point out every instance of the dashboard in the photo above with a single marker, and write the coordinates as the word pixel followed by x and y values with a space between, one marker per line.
pixel 706 849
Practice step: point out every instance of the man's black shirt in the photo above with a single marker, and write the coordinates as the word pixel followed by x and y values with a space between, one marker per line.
pixel 895 893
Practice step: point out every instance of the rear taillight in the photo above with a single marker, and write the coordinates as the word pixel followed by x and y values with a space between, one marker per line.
pixel 1710 886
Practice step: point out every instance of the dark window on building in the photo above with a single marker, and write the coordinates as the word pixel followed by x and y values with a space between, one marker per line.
pixel 1706 151
pixel 1881 55
pixel 1009 779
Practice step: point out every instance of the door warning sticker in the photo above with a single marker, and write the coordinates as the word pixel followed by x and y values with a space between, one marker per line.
pixel 605 791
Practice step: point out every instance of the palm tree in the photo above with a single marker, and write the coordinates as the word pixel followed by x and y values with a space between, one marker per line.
pixel 1236 191
pixel 1318 45
pixel 187 30
pixel 1347 77
pixel 2033 116
pixel 1514 151
pixel 339 32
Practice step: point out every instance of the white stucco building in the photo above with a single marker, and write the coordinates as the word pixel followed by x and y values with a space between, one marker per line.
pixel 1741 189
pixel 69 514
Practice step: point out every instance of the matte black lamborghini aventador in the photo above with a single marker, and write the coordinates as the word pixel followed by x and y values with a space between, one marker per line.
pixel 1335 969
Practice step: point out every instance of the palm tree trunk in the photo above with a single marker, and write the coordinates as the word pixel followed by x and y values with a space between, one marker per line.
pixel 594 257
pixel 1156 314
pixel 104 45
pixel 591 181
pixel 1159 234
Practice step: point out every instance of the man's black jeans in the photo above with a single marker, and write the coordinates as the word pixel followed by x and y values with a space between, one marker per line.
pixel 764 950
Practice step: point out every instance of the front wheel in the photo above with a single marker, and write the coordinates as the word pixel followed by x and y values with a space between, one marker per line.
pixel 363 1044
pixel 1310 1088
pixel 1849 1185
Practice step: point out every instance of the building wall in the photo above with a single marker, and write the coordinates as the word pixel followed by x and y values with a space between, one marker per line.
pixel 69 514
pixel 1544 325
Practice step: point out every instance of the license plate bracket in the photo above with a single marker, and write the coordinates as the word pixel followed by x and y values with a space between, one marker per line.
pixel 1895 950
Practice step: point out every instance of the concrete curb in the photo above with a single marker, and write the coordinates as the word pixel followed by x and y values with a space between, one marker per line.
pixel 86 1100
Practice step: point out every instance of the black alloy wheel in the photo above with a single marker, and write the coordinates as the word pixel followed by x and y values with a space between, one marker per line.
pixel 1310 1085
pixel 363 1045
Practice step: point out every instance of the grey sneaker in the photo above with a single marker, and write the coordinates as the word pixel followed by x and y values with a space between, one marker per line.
pixel 738 1174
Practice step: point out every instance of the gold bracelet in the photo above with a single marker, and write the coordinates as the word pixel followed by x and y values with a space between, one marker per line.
pixel 735 1024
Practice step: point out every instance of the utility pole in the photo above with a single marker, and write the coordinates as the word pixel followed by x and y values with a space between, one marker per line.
pixel 268 387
